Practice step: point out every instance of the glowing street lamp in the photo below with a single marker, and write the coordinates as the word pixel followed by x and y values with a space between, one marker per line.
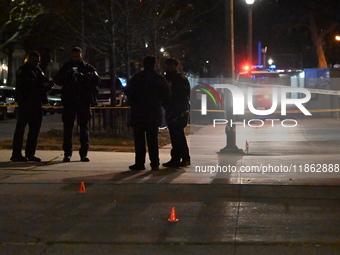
pixel 250 1
pixel 270 61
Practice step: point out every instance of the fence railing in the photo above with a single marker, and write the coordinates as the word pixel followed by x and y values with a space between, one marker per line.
pixel 104 119
pixel 110 119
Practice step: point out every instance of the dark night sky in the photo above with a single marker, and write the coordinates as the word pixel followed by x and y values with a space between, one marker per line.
pixel 209 42
pixel 289 48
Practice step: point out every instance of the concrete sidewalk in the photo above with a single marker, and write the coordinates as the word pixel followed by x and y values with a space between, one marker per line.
pixel 300 155
pixel 220 212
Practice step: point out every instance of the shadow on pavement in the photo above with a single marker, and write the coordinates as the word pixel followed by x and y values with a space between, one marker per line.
pixel 159 176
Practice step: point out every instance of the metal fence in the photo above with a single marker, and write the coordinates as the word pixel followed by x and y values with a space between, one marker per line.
pixel 104 119
pixel 110 119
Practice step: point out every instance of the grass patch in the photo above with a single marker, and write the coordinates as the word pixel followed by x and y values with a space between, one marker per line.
pixel 53 139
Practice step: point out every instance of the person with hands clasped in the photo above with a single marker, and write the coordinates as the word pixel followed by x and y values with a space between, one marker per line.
pixel 79 81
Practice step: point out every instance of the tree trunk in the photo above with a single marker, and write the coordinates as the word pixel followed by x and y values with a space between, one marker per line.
pixel 11 72
pixel 112 57
pixel 322 62
pixel 317 38
pixel 128 67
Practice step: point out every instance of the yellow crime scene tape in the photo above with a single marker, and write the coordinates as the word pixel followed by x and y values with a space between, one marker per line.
pixel 60 107
pixel 193 110
pixel 288 111
pixel 314 91
pixel 263 90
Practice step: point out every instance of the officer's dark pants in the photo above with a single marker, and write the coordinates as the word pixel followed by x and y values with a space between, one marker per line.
pixel 32 116
pixel 180 149
pixel 142 130
pixel 83 118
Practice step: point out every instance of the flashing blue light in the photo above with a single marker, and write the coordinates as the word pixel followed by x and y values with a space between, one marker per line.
pixel 257 66
pixel 123 81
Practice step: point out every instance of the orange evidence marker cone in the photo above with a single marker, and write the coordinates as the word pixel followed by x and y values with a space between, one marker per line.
pixel 173 215
pixel 82 188
pixel 247 147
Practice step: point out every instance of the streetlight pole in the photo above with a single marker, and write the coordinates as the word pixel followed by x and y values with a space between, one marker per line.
pixel 264 51
pixel 250 30
pixel 232 41
pixel 228 102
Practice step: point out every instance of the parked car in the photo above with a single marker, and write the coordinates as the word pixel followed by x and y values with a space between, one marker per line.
pixel 54 100
pixel 7 102
pixel 262 82
pixel 259 76
pixel 104 92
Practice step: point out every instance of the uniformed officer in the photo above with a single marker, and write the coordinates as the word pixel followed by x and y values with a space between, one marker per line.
pixel 177 114
pixel 79 81
pixel 146 91
pixel 30 96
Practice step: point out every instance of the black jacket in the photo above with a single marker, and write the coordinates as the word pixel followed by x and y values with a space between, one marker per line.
pixel 147 91
pixel 180 93
pixel 79 84
pixel 29 89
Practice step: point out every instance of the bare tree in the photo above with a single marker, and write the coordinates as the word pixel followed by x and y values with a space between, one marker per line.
pixel 136 24
pixel 315 15
pixel 125 30
pixel 21 19
pixel 17 21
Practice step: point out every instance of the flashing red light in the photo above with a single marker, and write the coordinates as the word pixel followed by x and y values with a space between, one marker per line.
pixel 247 68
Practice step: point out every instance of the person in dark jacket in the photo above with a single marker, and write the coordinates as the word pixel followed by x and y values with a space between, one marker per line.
pixel 146 91
pixel 177 114
pixel 30 96
pixel 79 81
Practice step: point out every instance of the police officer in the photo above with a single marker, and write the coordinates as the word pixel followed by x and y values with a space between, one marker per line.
pixel 30 96
pixel 146 91
pixel 177 114
pixel 79 81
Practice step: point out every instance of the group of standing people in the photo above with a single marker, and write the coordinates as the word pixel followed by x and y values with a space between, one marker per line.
pixel 147 91
pixel 79 81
